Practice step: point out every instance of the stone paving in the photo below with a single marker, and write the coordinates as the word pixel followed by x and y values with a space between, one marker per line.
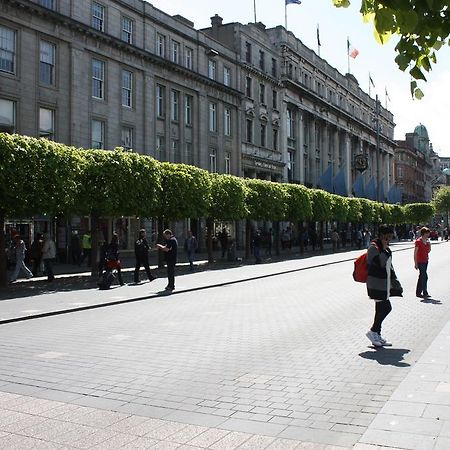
pixel 277 362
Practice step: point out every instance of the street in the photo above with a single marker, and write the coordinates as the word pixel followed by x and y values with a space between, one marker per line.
pixel 283 357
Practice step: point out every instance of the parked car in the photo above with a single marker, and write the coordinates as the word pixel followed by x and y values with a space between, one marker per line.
pixel 434 235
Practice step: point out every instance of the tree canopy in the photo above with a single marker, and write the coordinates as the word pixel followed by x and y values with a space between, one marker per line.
pixel 423 27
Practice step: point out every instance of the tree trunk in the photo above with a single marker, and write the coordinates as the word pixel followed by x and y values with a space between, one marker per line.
pixel 3 274
pixel 321 235
pixel 276 238
pixel 300 236
pixel 209 241
pixel 247 238
pixel 94 244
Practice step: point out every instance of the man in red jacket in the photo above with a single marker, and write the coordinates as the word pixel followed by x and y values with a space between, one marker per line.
pixel 421 251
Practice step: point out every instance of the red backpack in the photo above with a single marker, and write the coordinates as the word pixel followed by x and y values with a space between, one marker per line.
pixel 361 269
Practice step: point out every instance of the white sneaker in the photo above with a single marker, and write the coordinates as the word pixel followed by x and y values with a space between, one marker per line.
pixel 384 342
pixel 374 338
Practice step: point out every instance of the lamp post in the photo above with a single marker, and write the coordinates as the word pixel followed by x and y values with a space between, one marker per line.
pixel 377 125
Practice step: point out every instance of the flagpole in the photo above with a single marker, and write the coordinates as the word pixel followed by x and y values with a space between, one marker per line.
pixel 348 55
pixel 285 14
pixel 254 9
pixel 369 84
pixel 318 40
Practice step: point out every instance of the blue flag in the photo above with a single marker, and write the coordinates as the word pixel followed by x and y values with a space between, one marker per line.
pixel 293 2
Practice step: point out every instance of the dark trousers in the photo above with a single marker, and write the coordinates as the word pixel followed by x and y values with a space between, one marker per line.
pixel 86 254
pixel 422 282
pixel 36 266
pixel 48 265
pixel 171 275
pixel 382 309
pixel 142 261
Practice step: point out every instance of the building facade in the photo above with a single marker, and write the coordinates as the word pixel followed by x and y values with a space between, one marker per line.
pixel 232 98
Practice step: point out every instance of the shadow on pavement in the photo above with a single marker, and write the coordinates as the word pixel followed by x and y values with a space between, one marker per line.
pixel 387 356
pixel 433 301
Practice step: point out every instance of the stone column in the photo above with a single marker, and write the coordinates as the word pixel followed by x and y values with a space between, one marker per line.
pixel 301 147
pixel 348 163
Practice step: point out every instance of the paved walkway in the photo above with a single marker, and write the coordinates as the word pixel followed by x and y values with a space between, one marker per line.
pixel 415 416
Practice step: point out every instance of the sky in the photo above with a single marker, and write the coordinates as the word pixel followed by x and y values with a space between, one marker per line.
pixel 335 25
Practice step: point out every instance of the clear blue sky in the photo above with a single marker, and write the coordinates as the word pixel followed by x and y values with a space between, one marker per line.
pixel 335 25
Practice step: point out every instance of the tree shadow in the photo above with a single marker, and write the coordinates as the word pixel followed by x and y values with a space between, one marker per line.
pixel 387 356
pixel 433 301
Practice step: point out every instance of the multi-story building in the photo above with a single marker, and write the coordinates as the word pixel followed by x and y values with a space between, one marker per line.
pixel 415 170
pixel 232 98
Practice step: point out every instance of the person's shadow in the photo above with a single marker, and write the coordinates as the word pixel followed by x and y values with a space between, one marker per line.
pixel 387 356
pixel 433 301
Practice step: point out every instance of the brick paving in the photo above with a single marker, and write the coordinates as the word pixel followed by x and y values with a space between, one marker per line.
pixel 276 362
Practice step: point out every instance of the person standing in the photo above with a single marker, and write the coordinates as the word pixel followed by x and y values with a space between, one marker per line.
pixel 36 254
pixel 112 257
pixel 170 249
pixel 86 245
pixel 334 239
pixel 257 247
pixel 381 283
pixel 422 249
pixel 141 249
pixel 190 246
pixel 223 238
pixel 75 248
pixel 19 249
pixel 48 256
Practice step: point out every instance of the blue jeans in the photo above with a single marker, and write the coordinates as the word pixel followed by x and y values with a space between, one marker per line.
pixel 421 288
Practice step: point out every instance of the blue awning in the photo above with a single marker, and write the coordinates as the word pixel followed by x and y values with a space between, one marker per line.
pixel 358 186
pixel 339 185
pixel 326 180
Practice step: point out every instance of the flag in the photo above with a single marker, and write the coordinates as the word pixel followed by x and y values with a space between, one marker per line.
pixel 387 95
pixel 318 36
pixel 371 81
pixel 352 51
pixel 293 2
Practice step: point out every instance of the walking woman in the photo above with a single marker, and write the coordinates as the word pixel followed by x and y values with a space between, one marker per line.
pixel 112 257
pixel 381 282
pixel 421 252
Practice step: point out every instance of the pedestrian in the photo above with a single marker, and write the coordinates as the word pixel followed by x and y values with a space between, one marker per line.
pixel 48 256
pixel 19 249
pixel 359 238
pixel 334 239
pixel 141 250
pixel 422 249
pixel 170 248
pixel 223 239
pixel 112 257
pixel 257 247
pixel 313 234
pixel 36 254
pixel 103 248
pixel 190 247
pixel 75 248
pixel 86 244
pixel 382 282
pixel 367 238
pixel 269 243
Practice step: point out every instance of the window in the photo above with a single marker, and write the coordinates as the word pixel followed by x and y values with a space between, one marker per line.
pixel 262 60
pixel 127 30
pixel 160 99
pixel 188 57
pixel 274 67
pixel 161 45
pixel 127 88
pixel 98 134
pixel 212 117
pixel 248 52
pixel 50 4
pixel 176 151
pixel 249 130
pixel 290 70
pixel 275 139
pixel 160 148
pixel 175 52
pixel 7 116
pixel 98 16
pixel 127 138
pixel 98 79
pixel 188 102
pixel 174 105
pixel 212 160
pixel 7 50
pixel 47 63
pixel 227 76
pixel 189 153
pixel 212 66
pixel 227 122
pixel 263 135
pixel 262 93
pixel 290 124
pixel 248 87
pixel 228 163
pixel 46 123
pixel 274 99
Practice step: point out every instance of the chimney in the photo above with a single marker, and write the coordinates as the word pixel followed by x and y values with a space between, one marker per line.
pixel 216 22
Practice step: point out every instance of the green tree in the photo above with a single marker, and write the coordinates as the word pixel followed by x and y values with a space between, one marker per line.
pixel 441 201
pixel 322 209
pixel 367 211
pixel 37 176
pixel 422 28
pixel 419 212
pixel 265 200
pixel 340 208
pixel 354 210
